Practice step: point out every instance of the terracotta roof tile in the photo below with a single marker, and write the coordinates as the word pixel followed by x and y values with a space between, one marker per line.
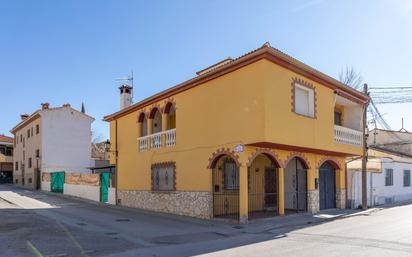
pixel 6 139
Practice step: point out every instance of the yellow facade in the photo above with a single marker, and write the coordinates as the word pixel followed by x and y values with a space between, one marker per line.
pixel 249 106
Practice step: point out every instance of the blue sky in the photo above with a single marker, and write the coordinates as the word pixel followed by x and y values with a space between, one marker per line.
pixel 72 51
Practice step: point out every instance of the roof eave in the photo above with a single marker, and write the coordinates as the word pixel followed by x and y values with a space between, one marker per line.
pixel 265 52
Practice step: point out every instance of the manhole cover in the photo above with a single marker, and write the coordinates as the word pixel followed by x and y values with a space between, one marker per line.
pixel 122 220
pixel 237 227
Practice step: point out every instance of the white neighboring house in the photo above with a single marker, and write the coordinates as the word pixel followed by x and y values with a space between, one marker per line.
pixel 49 140
pixel 388 178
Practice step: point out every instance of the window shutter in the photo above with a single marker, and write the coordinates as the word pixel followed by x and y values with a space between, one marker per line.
pixel 301 101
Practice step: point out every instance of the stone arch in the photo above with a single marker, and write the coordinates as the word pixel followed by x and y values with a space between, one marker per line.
pixel 142 115
pixel 222 152
pixel 301 157
pixel 332 161
pixel 169 103
pixel 268 153
pixel 153 111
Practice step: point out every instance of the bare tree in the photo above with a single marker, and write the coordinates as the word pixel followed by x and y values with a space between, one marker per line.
pixel 351 78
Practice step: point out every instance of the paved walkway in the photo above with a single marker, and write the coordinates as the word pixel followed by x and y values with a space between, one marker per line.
pixel 43 224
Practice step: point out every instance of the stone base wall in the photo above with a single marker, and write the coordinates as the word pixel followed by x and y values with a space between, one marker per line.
pixel 313 201
pixel 340 198
pixel 187 203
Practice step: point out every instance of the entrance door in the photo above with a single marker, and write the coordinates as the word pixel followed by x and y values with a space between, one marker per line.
pixel 104 186
pixel 57 181
pixel 270 187
pixel 327 183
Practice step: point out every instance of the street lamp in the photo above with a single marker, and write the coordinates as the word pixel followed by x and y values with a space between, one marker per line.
pixel 38 171
pixel 107 145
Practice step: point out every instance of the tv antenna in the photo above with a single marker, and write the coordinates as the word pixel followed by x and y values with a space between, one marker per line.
pixel 402 129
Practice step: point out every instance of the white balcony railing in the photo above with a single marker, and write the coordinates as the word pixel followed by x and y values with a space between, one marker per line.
pixel 157 140
pixel 170 137
pixel 143 143
pixel 348 136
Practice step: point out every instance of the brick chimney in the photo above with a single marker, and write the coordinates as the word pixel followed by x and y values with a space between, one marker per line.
pixel 45 106
pixel 66 105
pixel 24 116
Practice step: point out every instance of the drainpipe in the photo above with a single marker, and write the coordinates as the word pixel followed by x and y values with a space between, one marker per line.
pixel 116 164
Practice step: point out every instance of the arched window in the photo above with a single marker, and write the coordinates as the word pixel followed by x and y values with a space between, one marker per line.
pixel 157 120
pixel 171 115
pixel 143 124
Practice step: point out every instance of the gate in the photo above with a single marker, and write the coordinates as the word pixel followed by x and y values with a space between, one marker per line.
pixel 327 187
pixel 295 186
pixel 225 179
pixel 57 181
pixel 262 192
pixel 104 186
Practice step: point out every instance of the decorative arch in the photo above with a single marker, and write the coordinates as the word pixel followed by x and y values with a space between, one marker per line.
pixel 222 152
pixel 332 161
pixel 140 118
pixel 153 111
pixel 305 162
pixel 169 103
pixel 268 153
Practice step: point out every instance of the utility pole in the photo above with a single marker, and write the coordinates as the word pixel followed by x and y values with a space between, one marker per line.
pixel 365 151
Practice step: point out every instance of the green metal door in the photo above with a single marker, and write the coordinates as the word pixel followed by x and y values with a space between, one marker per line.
pixel 104 186
pixel 57 181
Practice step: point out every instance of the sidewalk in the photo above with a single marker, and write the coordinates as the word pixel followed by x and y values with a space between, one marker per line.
pixel 302 219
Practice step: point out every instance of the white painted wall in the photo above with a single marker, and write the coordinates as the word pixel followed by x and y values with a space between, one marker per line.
pixel 82 191
pixel 378 193
pixel 66 140
pixel 352 117
pixel 46 186
pixel 112 196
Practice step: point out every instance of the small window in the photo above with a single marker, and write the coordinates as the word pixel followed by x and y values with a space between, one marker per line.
pixel 406 178
pixel 17 181
pixel 30 180
pixel 37 153
pixel 163 177
pixel 304 101
pixel 29 162
pixel 21 137
pixel 28 133
pixel 37 129
pixel 16 166
pixel 389 177
pixel 31 130
pixel 231 175
pixel 338 118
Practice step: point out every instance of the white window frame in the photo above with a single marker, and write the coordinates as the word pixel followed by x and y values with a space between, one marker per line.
pixel 311 101
pixel 408 184
pixel 388 183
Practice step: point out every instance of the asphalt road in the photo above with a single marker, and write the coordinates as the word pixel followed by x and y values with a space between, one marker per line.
pixel 39 224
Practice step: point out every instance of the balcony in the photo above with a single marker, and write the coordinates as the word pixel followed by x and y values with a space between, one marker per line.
pixel 157 140
pixel 348 136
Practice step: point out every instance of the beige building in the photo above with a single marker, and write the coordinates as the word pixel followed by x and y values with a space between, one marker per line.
pixel 6 159
pixel 50 140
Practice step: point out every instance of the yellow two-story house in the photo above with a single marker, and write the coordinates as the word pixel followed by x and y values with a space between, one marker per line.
pixel 256 136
